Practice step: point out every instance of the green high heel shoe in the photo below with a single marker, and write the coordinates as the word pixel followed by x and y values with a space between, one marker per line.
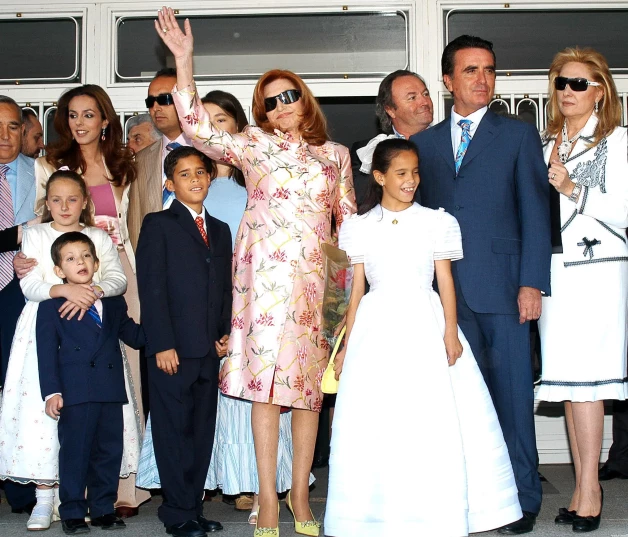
pixel 309 527
pixel 267 532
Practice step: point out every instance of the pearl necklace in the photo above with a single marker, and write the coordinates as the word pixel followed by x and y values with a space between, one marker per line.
pixel 565 147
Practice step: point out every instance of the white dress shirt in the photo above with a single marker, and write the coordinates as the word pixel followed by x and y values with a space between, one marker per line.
pixel 195 215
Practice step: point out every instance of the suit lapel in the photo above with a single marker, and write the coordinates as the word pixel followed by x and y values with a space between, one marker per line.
pixel 154 181
pixel 487 130
pixel 25 182
pixel 442 136
pixel 185 220
pixel 106 320
pixel 213 232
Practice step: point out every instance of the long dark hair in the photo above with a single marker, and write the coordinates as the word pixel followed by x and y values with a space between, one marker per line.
pixel 233 108
pixel 67 152
pixel 87 217
pixel 384 153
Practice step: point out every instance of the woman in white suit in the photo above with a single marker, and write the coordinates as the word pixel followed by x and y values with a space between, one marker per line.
pixel 583 323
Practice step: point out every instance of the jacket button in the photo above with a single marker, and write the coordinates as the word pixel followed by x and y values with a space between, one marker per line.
pixel 77 348
pixel 457 207
pixel 92 363
pixel 110 366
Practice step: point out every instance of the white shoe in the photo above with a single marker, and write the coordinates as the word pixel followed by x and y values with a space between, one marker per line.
pixel 41 517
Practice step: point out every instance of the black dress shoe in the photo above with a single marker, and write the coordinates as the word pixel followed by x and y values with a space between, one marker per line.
pixel 320 461
pixel 524 525
pixel 74 526
pixel 191 528
pixel 585 524
pixel 108 522
pixel 606 474
pixel 565 516
pixel 208 525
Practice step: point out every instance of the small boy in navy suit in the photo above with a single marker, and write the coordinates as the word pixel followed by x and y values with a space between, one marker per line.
pixel 81 374
pixel 184 281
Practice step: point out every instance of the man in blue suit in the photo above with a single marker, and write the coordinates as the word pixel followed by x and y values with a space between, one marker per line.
pixel 17 199
pixel 488 172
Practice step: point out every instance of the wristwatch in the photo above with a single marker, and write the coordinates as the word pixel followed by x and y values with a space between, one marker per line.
pixel 99 293
pixel 575 194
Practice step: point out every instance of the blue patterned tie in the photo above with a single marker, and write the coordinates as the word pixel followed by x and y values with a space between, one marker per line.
pixel 465 140
pixel 93 313
pixel 165 193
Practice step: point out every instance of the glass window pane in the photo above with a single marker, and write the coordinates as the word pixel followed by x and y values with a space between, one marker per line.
pixel 321 44
pixel 526 40
pixel 40 50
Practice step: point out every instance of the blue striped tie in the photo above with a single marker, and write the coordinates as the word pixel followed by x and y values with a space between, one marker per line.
pixel 465 140
pixel 93 313
pixel 166 194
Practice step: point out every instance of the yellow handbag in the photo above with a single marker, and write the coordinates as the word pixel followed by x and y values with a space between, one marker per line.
pixel 329 384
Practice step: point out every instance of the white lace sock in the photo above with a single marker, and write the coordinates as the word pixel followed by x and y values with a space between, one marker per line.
pixel 45 502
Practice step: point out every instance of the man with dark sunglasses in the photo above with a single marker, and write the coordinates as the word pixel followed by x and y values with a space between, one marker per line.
pixel 147 194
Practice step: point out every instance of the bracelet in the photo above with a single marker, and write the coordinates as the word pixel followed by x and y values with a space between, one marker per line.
pixel 575 194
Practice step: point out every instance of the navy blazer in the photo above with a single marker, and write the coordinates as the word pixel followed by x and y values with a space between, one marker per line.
pixel 184 286
pixel 501 201
pixel 78 359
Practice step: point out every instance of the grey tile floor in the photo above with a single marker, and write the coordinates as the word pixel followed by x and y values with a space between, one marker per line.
pixel 557 491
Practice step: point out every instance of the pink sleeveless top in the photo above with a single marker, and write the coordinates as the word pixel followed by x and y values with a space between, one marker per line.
pixel 105 212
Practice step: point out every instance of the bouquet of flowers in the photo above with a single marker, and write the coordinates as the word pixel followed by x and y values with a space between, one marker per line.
pixel 338 280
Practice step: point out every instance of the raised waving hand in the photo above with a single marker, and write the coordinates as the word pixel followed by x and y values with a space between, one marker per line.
pixel 180 44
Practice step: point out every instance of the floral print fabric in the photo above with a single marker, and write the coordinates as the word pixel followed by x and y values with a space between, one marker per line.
pixel 276 345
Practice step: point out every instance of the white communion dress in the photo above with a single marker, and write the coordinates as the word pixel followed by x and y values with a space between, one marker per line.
pixel 407 425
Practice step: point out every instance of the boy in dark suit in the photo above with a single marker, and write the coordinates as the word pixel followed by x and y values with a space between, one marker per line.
pixel 184 281
pixel 81 374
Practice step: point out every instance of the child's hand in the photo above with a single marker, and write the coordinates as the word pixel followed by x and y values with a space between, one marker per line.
pixel 222 345
pixel 80 294
pixel 339 361
pixel 71 309
pixel 54 406
pixel 168 361
pixel 452 346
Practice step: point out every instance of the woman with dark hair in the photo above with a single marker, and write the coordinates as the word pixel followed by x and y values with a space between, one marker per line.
pixel 585 149
pixel 226 199
pixel 399 246
pixel 90 143
pixel 296 180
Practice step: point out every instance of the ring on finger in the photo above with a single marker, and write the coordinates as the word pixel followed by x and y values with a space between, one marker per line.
pixel 164 30
pixel 552 177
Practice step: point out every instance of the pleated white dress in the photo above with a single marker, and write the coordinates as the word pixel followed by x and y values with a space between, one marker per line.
pixel 407 425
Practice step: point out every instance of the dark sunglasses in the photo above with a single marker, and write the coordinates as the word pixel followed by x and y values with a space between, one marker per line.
pixel 286 97
pixel 576 84
pixel 162 99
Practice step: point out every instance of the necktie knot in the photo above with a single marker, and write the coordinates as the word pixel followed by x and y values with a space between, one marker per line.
pixel 172 145
pixel 201 228
pixel 465 124
pixel 4 170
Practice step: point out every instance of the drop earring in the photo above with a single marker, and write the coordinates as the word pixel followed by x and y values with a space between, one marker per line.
pixel 597 106
pixel 103 137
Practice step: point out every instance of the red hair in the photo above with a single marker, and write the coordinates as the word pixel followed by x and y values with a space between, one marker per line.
pixel 313 126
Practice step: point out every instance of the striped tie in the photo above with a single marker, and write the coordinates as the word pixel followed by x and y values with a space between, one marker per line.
pixel 7 219
pixel 465 140
pixel 93 313
pixel 165 193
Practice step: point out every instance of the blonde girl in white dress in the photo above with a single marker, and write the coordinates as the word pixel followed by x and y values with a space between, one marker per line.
pixel 29 446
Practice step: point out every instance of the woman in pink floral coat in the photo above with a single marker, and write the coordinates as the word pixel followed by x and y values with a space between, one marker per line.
pixel 296 179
